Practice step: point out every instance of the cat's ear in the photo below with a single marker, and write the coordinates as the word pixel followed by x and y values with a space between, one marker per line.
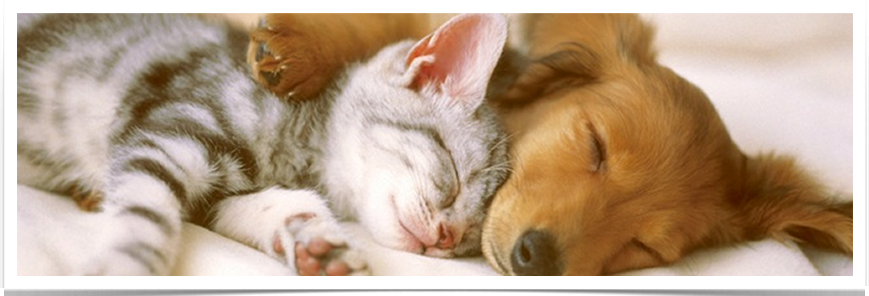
pixel 458 58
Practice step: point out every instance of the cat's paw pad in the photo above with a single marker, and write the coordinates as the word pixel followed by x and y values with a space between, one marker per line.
pixel 320 257
pixel 288 62
pixel 319 248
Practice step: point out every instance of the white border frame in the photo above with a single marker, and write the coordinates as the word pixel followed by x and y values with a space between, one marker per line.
pixel 857 281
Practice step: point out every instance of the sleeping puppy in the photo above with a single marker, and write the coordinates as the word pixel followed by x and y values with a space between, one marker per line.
pixel 619 163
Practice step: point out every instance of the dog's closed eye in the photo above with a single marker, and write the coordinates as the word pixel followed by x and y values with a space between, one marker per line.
pixel 598 151
pixel 642 246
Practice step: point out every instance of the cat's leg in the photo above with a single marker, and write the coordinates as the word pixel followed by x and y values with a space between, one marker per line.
pixel 138 227
pixel 143 235
pixel 146 192
pixel 293 226
pixel 297 55
pixel 56 238
pixel 136 233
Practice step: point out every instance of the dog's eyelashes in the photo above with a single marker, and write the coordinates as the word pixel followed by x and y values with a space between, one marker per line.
pixel 597 164
pixel 598 152
pixel 648 249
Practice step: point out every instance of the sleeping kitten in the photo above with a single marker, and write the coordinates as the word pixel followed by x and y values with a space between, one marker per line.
pixel 156 114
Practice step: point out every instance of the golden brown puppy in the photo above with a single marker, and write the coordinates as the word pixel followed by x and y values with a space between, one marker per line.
pixel 619 163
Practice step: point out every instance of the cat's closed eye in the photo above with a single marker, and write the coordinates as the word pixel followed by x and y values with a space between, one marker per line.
pixel 455 189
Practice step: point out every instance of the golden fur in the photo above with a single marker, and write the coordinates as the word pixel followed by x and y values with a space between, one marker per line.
pixel 623 164
pixel 618 163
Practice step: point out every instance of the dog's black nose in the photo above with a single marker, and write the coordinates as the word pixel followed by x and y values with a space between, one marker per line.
pixel 535 254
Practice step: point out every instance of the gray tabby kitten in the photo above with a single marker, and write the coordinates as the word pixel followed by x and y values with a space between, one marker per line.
pixel 157 114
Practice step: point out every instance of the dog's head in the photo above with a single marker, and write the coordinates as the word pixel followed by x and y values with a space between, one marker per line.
pixel 619 163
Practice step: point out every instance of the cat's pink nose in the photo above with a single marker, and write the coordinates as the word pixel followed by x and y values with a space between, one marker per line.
pixel 445 237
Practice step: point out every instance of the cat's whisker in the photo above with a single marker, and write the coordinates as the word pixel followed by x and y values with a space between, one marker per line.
pixel 503 141
pixel 499 167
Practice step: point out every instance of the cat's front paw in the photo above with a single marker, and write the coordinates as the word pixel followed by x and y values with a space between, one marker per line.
pixel 277 221
pixel 319 247
pixel 288 61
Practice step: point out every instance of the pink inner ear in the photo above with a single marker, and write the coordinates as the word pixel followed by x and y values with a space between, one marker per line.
pixel 421 49
pixel 465 50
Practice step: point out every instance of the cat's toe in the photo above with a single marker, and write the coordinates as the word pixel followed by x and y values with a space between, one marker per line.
pixel 306 263
pixel 337 268
pixel 320 247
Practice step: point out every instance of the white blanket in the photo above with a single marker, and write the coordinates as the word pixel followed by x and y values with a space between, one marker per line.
pixel 781 82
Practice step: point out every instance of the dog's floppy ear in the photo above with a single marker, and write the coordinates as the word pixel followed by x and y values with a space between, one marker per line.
pixel 517 79
pixel 569 50
pixel 781 201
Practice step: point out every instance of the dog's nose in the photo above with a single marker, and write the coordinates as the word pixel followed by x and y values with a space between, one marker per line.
pixel 535 254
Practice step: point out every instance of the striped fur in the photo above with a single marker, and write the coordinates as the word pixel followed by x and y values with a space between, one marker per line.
pixel 157 113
